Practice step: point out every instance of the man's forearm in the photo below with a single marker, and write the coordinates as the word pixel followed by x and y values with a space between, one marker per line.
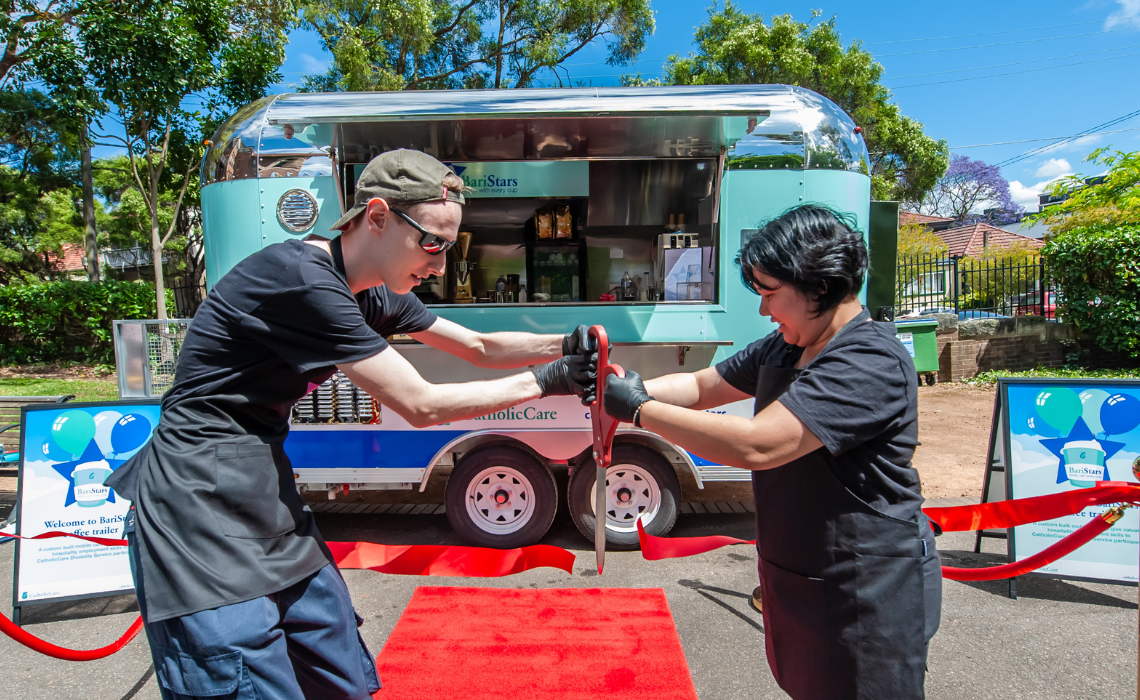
pixel 510 349
pixel 432 404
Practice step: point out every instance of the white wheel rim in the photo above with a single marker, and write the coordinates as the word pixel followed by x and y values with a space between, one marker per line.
pixel 631 492
pixel 500 500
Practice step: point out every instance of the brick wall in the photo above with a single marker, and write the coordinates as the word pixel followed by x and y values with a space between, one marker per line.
pixel 1017 344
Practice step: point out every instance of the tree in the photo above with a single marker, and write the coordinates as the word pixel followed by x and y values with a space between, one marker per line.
pixel 38 168
pixel 918 241
pixel 31 29
pixel 422 44
pixel 971 191
pixel 147 58
pixel 1112 199
pixel 734 47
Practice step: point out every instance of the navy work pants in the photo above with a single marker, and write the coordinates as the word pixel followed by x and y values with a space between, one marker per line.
pixel 298 643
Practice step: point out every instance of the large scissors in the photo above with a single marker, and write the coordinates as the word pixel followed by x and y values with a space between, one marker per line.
pixel 605 426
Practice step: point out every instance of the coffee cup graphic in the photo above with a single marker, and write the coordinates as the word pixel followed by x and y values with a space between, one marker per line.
pixel 89 489
pixel 1084 462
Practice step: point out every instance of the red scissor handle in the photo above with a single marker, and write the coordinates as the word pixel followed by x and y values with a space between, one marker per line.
pixel 605 426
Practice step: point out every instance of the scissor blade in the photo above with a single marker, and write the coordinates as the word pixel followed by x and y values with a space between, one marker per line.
pixel 600 518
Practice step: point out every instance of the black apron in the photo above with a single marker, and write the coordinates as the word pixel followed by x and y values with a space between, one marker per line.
pixel 851 596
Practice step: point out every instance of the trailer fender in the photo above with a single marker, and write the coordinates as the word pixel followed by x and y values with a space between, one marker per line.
pixel 548 444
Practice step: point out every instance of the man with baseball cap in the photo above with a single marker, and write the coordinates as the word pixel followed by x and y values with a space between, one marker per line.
pixel 236 587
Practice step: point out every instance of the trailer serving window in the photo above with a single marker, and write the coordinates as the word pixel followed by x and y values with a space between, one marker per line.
pixel 610 210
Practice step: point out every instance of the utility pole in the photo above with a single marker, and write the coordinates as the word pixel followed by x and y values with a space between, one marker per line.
pixel 90 244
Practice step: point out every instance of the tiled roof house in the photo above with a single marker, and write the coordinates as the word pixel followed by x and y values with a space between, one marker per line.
pixel 934 223
pixel 973 239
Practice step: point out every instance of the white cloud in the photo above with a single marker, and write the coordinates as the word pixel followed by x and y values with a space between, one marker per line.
pixel 1054 166
pixel 1127 15
pixel 1025 195
pixel 315 65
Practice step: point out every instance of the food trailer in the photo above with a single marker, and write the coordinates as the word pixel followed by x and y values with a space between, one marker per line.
pixel 616 206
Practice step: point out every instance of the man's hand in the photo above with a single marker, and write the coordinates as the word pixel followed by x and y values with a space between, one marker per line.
pixel 624 395
pixel 579 342
pixel 575 375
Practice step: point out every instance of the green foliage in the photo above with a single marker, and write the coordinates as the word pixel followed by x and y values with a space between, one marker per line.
pixel 435 44
pixel 1097 273
pixel 991 377
pixel 918 241
pixel 68 320
pixel 38 164
pixel 1113 200
pixel 735 47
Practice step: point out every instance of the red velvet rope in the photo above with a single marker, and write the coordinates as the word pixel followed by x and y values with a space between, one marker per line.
pixel 407 560
pixel 1047 556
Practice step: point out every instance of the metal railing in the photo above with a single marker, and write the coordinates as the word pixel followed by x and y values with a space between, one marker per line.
pixel 1014 286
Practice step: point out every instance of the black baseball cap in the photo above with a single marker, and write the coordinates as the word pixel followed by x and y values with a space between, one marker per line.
pixel 402 177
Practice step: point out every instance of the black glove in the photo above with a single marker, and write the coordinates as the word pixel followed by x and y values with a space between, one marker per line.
pixel 578 341
pixel 570 375
pixel 624 395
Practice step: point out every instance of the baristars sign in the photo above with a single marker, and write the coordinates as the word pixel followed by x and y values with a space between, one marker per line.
pixel 549 178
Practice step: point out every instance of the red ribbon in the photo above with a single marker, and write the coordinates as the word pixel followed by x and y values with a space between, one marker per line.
pixel 985 516
pixel 442 560
pixel 1003 514
pixel 406 560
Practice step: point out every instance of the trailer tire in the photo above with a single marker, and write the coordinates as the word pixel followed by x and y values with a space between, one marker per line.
pixel 654 491
pixel 526 487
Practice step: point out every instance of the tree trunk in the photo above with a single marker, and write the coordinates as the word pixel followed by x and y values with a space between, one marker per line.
pixel 90 244
pixel 156 252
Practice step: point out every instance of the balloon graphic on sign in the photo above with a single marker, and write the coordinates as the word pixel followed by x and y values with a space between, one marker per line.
pixel 129 433
pixel 73 431
pixel 104 423
pixel 1091 400
pixel 54 452
pixel 1120 413
pixel 1059 407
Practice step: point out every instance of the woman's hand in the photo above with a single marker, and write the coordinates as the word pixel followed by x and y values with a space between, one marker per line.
pixel 624 395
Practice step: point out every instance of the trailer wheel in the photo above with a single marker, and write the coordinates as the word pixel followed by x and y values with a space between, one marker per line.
pixel 501 497
pixel 639 483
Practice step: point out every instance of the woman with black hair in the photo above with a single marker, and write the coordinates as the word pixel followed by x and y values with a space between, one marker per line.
pixel 850 577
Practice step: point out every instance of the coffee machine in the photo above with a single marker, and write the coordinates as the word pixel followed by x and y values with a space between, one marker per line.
pixel 462 269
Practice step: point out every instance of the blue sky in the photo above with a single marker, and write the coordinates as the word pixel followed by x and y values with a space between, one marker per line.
pixel 1068 67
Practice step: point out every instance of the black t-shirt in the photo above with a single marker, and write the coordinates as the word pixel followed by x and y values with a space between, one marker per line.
pixel 219 518
pixel 859 396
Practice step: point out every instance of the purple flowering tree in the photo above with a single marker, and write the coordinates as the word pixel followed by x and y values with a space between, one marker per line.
pixel 971 191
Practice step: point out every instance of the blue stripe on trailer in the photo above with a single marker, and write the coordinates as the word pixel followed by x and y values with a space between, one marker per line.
pixel 366 449
pixel 701 461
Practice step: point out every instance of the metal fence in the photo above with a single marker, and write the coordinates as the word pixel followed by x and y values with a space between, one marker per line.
pixel 187 299
pixel 974 288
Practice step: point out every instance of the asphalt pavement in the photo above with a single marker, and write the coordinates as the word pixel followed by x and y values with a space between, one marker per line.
pixel 1059 639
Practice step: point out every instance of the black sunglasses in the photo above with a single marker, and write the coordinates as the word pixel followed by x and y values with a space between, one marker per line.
pixel 430 242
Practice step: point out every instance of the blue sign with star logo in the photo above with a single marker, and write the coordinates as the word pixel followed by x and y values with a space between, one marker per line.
pixel 1065 435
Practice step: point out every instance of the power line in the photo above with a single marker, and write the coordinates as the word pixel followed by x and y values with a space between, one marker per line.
pixel 1017 72
pixel 1086 132
pixel 1003 31
pixel 1047 138
pixel 1015 63
pixel 1009 43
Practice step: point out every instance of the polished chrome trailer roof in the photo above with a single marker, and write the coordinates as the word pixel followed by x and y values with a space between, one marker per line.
pixel 547 102
pixel 753 126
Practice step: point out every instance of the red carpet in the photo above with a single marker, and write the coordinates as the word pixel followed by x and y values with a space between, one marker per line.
pixel 524 644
